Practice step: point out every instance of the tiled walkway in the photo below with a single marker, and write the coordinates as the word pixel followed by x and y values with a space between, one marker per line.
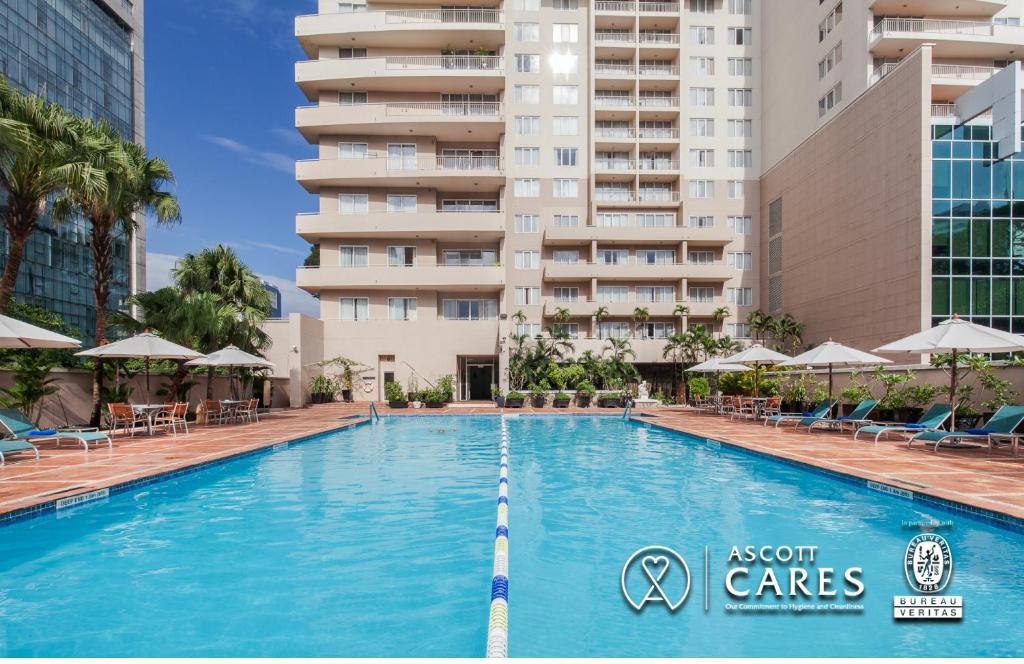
pixel 990 481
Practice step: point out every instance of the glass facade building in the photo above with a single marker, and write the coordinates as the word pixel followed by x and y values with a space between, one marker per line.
pixel 82 55
pixel 977 229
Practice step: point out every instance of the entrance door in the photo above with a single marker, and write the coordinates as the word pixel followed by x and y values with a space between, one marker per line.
pixel 479 380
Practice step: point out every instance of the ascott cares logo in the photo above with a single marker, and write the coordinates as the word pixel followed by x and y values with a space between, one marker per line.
pixel 655 574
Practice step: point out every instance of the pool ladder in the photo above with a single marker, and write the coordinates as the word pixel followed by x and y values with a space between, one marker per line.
pixel 373 412
pixel 625 411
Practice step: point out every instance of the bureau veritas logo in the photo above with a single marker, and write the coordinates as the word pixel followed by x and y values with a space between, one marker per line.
pixel 928 566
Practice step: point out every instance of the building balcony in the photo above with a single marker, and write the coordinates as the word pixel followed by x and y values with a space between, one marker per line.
pixel 463 278
pixel 647 351
pixel 938 7
pixel 634 234
pixel 451 173
pixel 411 28
pixel 642 7
pixel 642 199
pixel 454 226
pixel 402 73
pixel 447 121
pixel 952 38
pixel 633 271
pixel 584 308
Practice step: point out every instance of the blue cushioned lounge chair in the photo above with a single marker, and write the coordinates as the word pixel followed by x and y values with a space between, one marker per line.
pixel 858 416
pixel 1004 420
pixel 932 420
pixel 8 447
pixel 21 428
pixel 801 419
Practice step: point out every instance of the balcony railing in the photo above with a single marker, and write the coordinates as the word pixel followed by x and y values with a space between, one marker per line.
pixel 624 69
pixel 614 132
pixel 658 70
pixel 643 38
pixel 659 102
pixel 474 109
pixel 636 196
pixel 615 101
pixel 658 164
pixel 973 73
pixel 615 37
pixel 615 164
pixel 658 38
pixel 614 6
pixel 418 163
pixel 658 7
pixel 492 16
pixel 658 132
pixel 633 260
pixel 935 26
pixel 445 62
pixel 949 111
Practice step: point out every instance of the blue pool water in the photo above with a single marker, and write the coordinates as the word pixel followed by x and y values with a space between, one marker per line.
pixel 378 541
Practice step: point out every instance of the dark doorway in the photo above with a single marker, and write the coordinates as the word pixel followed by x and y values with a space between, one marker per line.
pixel 479 379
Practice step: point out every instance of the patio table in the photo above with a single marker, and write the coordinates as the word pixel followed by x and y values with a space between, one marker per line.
pixel 231 406
pixel 149 411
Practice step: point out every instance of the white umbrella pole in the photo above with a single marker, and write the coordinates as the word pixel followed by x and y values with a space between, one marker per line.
pixel 952 395
pixel 147 379
pixel 830 388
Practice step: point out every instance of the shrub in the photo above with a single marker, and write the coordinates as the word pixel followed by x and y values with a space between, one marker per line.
pixel 393 392
pixel 855 394
pixel 586 387
pixel 435 395
pixel 700 386
pixel 322 385
pixel 446 384
pixel 515 396
pixel 920 396
pixel 561 396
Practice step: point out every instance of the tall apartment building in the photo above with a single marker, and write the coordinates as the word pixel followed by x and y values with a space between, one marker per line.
pixel 561 156
pixel 86 55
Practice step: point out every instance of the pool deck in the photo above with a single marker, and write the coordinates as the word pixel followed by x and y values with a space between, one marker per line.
pixel 977 478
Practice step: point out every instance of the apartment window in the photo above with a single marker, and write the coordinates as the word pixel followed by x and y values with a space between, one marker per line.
pixel 526 188
pixel 655 330
pixel 527 63
pixel 741 67
pixel 528 330
pixel 741 225
pixel 355 308
pixel 740 7
pixel 701 257
pixel 702 6
pixel 612 219
pixel 566 256
pixel 353 255
pixel 565 33
pixel 702 35
pixel 741 260
pixel 455 257
pixel 469 309
pixel 571 330
pixel 527 156
pixel 566 220
pixel 741 158
pixel 702 189
pixel 701 294
pixel 702 127
pixel 402 156
pixel 527 296
pixel 527 260
pixel 566 188
pixel 564 63
pixel 352 150
pixel 701 158
pixel 352 98
pixel 565 125
pixel 613 330
pixel 656 128
pixel 612 256
pixel 401 308
pixel 351 53
pixel 565 5
pixel 527 125
pixel 655 219
pixel 611 294
pixel 527 5
pixel 526 94
pixel 354 203
pixel 741 128
pixel 830 100
pixel 468 205
pixel 401 256
pixel 655 294
pixel 565 94
pixel 739 330
pixel 527 223
pixel 405 203
pixel 736 189
pixel 655 257
pixel 566 156
pixel 743 297
pixel 526 32
pixel 829 23
pixel 741 97
pixel 566 294
pixel 740 36
pixel 352 6
pixel 702 96
pixel 702 221
pixel 831 59
pixel 702 66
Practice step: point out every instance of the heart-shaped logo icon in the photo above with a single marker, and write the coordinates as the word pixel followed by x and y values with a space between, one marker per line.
pixel 655 562
pixel 655 567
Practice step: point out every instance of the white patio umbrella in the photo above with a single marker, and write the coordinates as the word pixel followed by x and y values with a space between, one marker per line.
pixel 231 357
pixel 954 336
pixel 756 356
pixel 15 333
pixel 147 346
pixel 831 354
pixel 716 365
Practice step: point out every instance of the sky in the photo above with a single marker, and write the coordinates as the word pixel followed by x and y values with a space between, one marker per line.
pixel 220 109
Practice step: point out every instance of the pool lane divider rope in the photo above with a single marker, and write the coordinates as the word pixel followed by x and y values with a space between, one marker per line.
pixel 497 623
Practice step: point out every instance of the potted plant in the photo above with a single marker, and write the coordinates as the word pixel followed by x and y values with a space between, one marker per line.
pixel 610 400
pixel 584 393
pixel 434 397
pixel 393 393
pixel 700 387
pixel 498 396
pixel 446 386
pixel 852 395
pixel 514 399
pixel 413 391
pixel 920 397
pixel 322 389
pixel 537 393
pixel 561 400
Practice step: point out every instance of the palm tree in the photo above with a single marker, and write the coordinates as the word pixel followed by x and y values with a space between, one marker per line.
pixel 674 348
pixel 640 316
pixel 41 154
pixel 719 315
pixel 601 313
pixel 617 366
pixel 761 324
pixel 562 315
pixel 681 310
pixel 790 330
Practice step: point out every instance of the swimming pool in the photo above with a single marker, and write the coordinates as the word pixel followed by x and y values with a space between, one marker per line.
pixel 379 541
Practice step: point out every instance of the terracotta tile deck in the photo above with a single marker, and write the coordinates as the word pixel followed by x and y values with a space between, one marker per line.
pixel 992 481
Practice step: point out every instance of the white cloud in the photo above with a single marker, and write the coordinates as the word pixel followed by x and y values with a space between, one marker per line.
pixel 275 160
pixel 293 298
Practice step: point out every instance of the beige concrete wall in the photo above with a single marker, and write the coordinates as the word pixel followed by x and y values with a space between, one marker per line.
pixel 855 199
pixel 297 344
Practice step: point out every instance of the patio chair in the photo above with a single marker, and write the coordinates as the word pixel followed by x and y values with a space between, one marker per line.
pixel 172 416
pixel 858 416
pixel 215 411
pixel 21 428
pixel 932 420
pixel 730 405
pixel 14 446
pixel 1003 421
pixel 772 407
pixel 248 411
pixel 801 419
pixel 123 416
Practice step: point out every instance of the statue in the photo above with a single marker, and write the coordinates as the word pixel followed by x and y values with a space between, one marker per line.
pixel 643 391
